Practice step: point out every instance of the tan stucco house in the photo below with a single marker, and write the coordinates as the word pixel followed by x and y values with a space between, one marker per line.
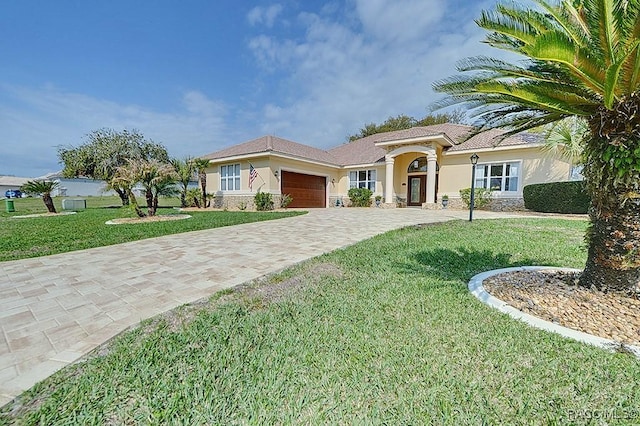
pixel 413 167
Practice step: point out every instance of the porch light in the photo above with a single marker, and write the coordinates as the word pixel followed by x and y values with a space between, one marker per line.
pixel 474 160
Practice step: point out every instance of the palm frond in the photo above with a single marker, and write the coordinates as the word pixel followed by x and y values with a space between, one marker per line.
pixel 513 25
pixel 612 90
pixel 566 138
pixel 555 47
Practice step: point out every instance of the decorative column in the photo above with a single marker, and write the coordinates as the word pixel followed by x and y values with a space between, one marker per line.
pixel 388 185
pixel 431 178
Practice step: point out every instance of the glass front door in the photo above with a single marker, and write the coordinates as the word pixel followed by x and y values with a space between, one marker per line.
pixel 417 193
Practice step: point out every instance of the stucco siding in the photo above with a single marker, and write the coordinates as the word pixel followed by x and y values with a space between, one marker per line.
pixel 536 167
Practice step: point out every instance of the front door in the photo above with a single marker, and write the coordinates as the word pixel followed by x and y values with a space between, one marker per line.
pixel 417 193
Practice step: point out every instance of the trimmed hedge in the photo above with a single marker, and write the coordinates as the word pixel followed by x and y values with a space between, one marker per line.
pixel 557 197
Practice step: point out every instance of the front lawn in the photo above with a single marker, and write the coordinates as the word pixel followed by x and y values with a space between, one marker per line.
pixel 383 332
pixel 39 236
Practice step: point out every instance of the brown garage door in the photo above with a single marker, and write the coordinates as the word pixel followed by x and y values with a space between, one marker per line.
pixel 306 190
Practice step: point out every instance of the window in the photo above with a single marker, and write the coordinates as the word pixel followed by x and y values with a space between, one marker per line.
pixel 418 165
pixel 363 179
pixel 498 177
pixel 230 177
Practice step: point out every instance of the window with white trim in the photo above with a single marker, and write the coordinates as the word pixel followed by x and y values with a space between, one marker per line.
pixel 230 177
pixel 363 179
pixel 498 176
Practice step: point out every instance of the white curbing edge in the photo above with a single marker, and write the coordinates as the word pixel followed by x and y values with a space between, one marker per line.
pixel 477 289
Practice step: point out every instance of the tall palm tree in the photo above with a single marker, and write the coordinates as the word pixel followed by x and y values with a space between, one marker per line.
pixel 581 58
pixel 43 188
pixel 201 164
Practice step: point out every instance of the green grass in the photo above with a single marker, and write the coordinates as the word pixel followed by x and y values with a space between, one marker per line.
pixel 39 236
pixel 383 332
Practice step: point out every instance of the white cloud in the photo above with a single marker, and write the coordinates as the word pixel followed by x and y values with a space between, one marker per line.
pixel 40 120
pixel 342 74
pixel 264 15
pixel 399 20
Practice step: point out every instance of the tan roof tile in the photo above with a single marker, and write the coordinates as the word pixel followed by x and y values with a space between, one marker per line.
pixel 491 139
pixel 274 144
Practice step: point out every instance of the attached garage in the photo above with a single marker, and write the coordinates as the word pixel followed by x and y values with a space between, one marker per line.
pixel 305 190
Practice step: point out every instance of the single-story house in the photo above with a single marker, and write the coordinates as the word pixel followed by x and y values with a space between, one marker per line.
pixel 413 167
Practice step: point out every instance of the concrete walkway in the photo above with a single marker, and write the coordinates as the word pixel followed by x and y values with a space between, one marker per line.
pixel 55 309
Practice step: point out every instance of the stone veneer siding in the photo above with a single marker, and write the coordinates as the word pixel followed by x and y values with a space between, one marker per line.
pixel 496 204
pixel 234 202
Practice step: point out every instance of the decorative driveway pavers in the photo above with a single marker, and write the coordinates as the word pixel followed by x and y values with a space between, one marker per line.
pixel 55 309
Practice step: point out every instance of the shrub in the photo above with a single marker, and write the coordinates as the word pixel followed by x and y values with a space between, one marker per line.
pixel 557 197
pixel 263 201
pixel 193 196
pixel 481 197
pixel 360 197
pixel 285 200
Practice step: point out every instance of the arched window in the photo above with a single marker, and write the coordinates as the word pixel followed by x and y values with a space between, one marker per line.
pixel 418 165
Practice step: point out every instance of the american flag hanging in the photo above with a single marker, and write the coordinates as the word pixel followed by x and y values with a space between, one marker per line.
pixel 253 174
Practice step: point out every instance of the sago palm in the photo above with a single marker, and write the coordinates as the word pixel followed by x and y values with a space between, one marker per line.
pixel 43 188
pixel 581 58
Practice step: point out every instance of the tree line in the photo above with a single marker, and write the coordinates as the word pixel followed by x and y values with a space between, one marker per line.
pixel 402 122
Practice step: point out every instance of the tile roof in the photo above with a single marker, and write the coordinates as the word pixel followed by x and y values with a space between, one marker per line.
pixel 491 139
pixel 365 151
pixel 276 145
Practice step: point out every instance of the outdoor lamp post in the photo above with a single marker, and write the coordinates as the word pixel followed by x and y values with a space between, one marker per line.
pixel 474 161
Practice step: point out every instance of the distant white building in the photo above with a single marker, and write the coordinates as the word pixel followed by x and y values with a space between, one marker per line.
pixel 11 182
pixel 77 187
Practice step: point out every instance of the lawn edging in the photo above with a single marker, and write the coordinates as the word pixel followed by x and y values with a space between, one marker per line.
pixel 477 289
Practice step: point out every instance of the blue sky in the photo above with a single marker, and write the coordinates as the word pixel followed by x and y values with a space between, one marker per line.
pixel 200 75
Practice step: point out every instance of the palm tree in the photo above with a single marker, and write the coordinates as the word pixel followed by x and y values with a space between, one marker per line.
pixel 581 58
pixel 184 169
pixel 154 176
pixel 201 164
pixel 566 138
pixel 43 188
pixel 125 177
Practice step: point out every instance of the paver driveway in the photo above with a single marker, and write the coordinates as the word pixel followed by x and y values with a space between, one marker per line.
pixel 54 309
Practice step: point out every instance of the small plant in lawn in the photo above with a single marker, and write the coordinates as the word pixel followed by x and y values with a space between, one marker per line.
pixel 285 200
pixel 360 197
pixel 481 198
pixel 263 201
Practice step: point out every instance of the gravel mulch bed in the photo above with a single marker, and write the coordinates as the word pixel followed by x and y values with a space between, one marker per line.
pixel 555 296
pixel 147 219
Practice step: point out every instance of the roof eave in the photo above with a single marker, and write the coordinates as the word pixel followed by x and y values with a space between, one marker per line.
pixel 241 157
pixel 441 138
